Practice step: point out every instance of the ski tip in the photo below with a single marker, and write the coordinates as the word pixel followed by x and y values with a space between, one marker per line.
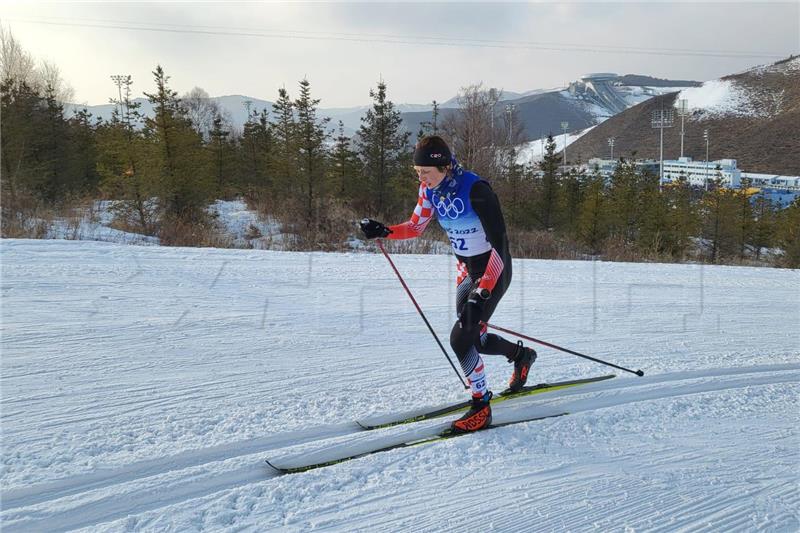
pixel 275 468
pixel 362 426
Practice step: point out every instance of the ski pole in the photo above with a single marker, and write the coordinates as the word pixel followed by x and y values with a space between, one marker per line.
pixel 520 335
pixel 408 291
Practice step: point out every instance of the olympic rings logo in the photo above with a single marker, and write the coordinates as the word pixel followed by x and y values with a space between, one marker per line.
pixel 449 208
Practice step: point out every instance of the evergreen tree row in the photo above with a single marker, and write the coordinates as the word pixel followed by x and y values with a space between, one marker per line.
pixel 163 172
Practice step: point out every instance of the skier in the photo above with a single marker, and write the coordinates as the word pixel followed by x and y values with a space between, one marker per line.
pixel 469 211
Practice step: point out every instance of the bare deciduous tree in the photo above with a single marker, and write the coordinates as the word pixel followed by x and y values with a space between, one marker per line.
pixel 202 110
pixel 15 63
pixel 18 67
pixel 475 130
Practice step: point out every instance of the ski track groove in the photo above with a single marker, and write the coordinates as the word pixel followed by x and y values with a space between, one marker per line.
pixel 85 502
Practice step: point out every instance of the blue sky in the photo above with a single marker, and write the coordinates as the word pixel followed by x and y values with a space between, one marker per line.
pixel 424 51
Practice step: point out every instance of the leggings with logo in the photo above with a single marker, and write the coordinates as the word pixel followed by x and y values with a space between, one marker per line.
pixel 471 341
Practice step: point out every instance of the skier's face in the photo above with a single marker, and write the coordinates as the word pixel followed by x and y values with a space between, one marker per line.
pixel 430 176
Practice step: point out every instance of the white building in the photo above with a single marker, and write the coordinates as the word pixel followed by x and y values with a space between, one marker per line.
pixel 699 172
pixel 772 181
pixel 606 167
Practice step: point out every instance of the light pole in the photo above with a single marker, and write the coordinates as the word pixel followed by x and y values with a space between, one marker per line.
pixel 564 126
pixel 119 79
pixel 683 108
pixel 705 136
pixel 611 144
pixel 510 112
pixel 661 118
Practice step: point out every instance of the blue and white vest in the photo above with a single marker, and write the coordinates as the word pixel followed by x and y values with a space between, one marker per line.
pixel 450 201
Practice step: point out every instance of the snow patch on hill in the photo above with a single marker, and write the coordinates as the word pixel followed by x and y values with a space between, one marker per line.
pixel 533 152
pixel 738 96
pixel 718 98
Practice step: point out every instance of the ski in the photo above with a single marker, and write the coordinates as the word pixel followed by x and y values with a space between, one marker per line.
pixel 347 452
pixel 410 417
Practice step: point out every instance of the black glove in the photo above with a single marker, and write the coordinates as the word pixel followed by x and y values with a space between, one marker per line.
pixel 473 310
pixel 373 229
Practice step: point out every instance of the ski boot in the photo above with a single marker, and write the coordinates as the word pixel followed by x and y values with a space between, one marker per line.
pixel 522 360
pixel 478 417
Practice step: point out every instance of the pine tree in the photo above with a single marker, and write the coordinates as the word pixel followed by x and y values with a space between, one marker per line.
pixel 126 164
pixel 682 220
pixel 719 221
pixel 764 224
pixel 381 143
pixel 54 153
pixel 311 139
pixel 284 129
pixel 547 189
pixel 81 162
pixel 22 141
pixel 593 223
pixel 744 217
pixel 788 235
pixel 515 192
pixel 257 149
pixel 652 234
pixel 222 154
pixel 430 127
pixel 344 166
pixel 569 202
pixel 185 179
pixel 623 203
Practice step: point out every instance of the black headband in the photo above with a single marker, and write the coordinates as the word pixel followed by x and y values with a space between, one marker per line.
pixel 431 156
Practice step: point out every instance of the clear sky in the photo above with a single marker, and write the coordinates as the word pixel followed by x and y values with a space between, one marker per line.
pixel 424 51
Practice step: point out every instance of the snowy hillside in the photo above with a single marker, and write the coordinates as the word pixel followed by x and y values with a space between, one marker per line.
pixel 739 96
pixel 144 387
pixel 751 116
pixel 594 100
pixel 532 152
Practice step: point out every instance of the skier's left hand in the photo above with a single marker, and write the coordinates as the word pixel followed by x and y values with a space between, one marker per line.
pixel 373 229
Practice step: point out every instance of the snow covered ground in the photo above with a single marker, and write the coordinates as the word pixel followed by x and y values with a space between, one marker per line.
pixel 143 388
pixel 247 228
pixel 532 152
pixel 90 224
pixel 244 227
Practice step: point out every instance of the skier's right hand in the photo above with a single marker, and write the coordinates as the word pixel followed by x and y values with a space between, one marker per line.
pixel 373 229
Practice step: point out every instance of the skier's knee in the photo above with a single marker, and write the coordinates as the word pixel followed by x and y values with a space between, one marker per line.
pixel 462 339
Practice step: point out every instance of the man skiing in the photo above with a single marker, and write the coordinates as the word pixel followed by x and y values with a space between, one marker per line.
pixel 468 210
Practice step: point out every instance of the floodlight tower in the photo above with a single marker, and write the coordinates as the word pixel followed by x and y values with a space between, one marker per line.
pixel 564 126
pixel 661 118
pixel 683 109
pixel 611 144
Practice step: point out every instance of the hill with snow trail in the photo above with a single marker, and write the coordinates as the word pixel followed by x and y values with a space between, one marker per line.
pixel 752 116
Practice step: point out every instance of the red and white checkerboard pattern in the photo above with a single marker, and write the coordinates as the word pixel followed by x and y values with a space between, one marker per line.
pixel 422 215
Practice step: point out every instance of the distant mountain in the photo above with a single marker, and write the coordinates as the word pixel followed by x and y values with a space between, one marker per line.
pixel 584 103
pixel 752 116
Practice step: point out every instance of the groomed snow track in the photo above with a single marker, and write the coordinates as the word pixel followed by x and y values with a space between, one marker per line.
pixel 97 499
